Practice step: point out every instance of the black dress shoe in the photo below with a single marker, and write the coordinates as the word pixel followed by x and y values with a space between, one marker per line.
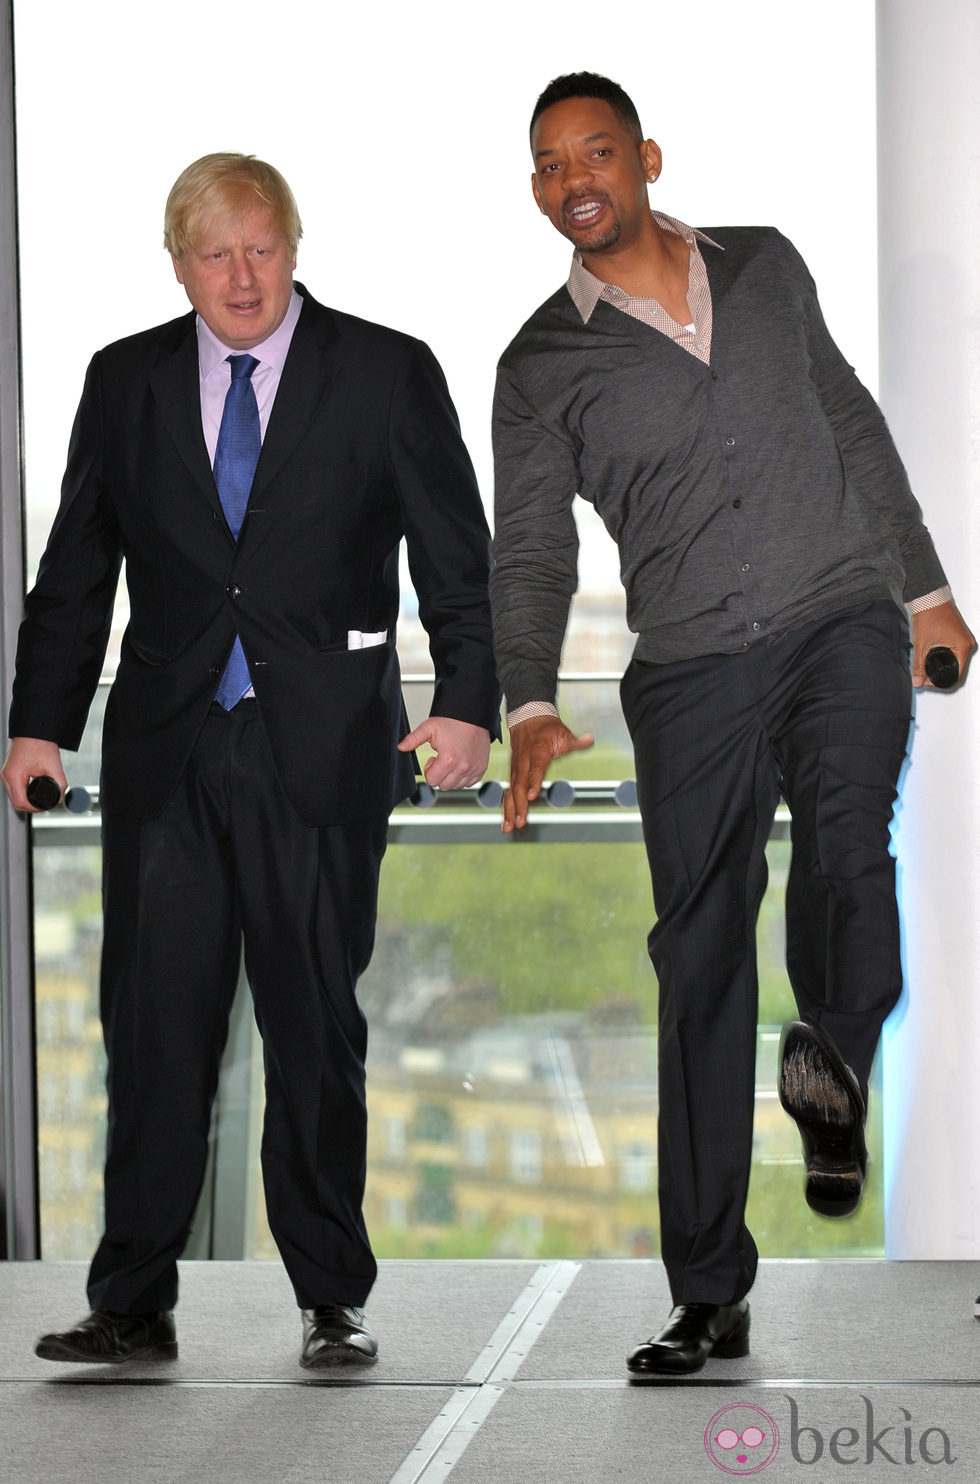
pixel 106 1338
pixel 336 1334
pixel 819 1091
pixel 821 1094
pixel 691 1334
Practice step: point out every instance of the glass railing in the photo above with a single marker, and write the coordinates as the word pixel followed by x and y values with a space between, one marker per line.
pixel 512 1064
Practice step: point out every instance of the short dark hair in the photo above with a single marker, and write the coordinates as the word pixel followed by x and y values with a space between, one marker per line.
pixel 590 85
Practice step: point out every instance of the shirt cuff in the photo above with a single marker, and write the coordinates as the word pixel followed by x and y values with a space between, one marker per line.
pixel 529 709
pixel 930 600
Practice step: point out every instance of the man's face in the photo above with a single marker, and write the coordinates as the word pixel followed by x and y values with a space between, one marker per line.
pixel 590 174
pixel 239 278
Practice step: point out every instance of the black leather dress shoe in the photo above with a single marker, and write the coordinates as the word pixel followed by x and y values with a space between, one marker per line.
pixel 819 1091
pixel 336 1334
pixel 691 1334
pixel 105 1338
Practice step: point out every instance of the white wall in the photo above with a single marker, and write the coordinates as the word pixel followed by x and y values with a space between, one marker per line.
pixel 403 131
pixel 930 297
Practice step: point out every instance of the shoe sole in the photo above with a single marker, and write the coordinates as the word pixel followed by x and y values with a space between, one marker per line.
pixel 833 1192
pixel 733 1348
pixel 64 1353
pixel 328 1362
pixel 827 1124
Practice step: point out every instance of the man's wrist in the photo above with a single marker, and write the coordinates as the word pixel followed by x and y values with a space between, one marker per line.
pixel 529 709
pixel 934 599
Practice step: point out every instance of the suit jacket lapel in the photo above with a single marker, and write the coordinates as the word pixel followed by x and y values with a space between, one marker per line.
pixel 311 365
pixel 176 385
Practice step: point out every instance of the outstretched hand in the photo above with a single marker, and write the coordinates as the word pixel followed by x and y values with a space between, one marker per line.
pixel 533 745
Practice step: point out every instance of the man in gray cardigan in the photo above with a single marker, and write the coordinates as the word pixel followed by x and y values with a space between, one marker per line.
pixel 773 557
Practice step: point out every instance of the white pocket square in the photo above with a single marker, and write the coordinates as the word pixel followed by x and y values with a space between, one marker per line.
pixel 358 640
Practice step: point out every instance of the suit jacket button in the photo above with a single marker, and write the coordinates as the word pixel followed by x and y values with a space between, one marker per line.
pixel 214 669
pixel 233 592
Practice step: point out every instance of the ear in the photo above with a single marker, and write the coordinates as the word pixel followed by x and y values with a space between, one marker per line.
pixel 537 195
pixel 652 159
pixel 176 264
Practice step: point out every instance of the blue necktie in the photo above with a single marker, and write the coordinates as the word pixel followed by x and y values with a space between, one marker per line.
pixel 235 458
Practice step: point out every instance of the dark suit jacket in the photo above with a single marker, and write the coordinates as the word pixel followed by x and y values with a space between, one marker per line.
pixel 362 447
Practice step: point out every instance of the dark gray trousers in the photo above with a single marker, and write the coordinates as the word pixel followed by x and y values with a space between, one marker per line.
pixel 229 862
pixel 821 716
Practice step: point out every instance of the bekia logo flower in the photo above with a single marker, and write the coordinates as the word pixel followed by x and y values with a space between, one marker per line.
pixel 742 1439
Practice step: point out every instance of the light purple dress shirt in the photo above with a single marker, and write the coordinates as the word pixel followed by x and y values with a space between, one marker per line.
pixel 216 373
pixel 212 359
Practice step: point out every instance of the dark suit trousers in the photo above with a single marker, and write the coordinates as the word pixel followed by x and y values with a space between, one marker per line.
pixel 820 715
pixel 228 861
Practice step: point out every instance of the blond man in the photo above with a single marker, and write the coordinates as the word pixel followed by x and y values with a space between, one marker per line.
pixel 254 466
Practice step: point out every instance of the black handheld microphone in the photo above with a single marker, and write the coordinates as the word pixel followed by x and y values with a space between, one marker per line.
pixel 43 792
pixel 942 667
pixel 78 800
pixel 424 795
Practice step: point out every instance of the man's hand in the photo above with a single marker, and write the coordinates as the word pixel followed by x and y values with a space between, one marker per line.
pixel 533 745
pixel 462 751
pixel 934 627
pixel 30 757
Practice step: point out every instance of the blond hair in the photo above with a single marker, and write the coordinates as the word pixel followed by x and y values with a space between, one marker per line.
pixel 222 185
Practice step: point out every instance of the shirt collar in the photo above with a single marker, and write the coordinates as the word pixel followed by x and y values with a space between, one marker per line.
pixel 271 351
pixel 586 290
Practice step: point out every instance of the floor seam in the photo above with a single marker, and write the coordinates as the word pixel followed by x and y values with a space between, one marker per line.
pixel 503 1383
pixel 446 1439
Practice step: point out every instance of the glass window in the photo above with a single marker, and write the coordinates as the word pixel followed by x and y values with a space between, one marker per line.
pixel 395 1139
pixel 637 1166
pixel 475 1146
pixel 502 1085
pixel 397 1211
pixel 525 1157
pixel 434 1197
pixel 433 1123
pixel 513 1046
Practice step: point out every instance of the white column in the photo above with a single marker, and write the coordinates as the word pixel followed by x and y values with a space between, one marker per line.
pixel 929 251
